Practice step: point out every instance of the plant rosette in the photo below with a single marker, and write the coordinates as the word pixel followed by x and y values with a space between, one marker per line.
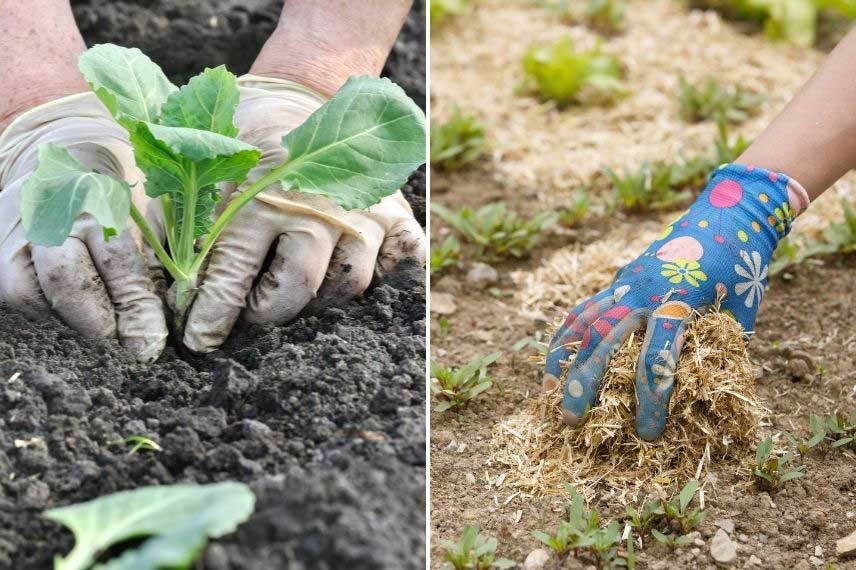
pixel 357 148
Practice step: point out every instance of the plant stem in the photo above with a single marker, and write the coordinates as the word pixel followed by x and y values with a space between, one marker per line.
pixel 234 206
pixel 188 224
pixel 153 240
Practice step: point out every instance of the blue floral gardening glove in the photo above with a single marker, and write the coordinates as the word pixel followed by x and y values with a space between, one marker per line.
pixel 716 252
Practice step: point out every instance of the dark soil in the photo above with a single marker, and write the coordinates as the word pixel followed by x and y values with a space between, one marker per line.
pixel 323 418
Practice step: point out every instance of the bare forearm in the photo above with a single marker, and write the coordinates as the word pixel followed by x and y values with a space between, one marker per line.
pixel 321 43
pixel 39 43
pixel 813 139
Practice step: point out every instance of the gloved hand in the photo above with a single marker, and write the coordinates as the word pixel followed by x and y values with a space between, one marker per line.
pixel 100 289
pixel 324 254
pixel 716 252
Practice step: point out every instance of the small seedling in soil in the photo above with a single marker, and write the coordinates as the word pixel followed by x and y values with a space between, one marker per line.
pixel 442 10
pixel 711 101
pixel 535 342
pixel 455 389
pixel 576 212
pixel 582 532
pixel 563 74
pixel 642 520
pixel 841 431
pixel 769 471
pixel 457 142
pixel 139 442
pixel 671 540
pixel 443 323
pixel 838 237
pixel 497 231
pixel 446 255
pixel 653 186
pixel 175 520
pixel 473 552
pixel 357 148
pixel 677 511
pixel 606 16
pixel 725 150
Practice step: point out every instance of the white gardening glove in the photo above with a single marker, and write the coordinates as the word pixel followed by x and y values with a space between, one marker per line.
pixel 324 254
pixel 100 289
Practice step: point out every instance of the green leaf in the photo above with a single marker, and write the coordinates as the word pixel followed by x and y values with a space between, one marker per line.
pixel 178 517
pixel 207 102
pixel 687 494
pixel 791 475
pixel 61 189
pixel 659 536
pixel 360 146
pixel 131 86
pixel 763 450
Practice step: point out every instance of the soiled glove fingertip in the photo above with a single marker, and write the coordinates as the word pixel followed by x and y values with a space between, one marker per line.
pixel 147 350
pixel 650 424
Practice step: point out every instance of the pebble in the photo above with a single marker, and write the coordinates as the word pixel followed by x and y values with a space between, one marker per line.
pixel 536 559
pixel 818 551
pixel 695 551
pixel 743 538
pixel 847 544
pixel 722 549
pixel 725 524
pixel 443 303
pixel 471 479
pixel 815 561
pixel 753 561
pixel 481 275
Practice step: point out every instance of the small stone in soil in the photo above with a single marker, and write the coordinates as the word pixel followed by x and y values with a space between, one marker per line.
pixel 536 559
pixel 722 549
pixel 847 544
pixel 725 524
pixel 481 275
pixel 443 304
pixel 754 561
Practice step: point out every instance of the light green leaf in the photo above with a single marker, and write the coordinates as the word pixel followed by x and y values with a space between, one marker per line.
pixel 360 146
pixel 130 85
pixel 61 189
pixel 207 102
pixel 194 144
pixel 178 517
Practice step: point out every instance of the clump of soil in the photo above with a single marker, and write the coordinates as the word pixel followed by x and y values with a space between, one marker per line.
pixel 713 414
pixel 322 417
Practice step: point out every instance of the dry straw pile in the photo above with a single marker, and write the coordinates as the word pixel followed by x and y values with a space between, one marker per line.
pixel 713 416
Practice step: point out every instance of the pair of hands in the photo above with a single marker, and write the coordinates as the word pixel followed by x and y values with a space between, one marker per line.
pixel 715 254
pixel 323 254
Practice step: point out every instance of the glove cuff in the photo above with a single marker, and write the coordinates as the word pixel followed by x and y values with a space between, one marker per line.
pixel 759 202
pixel 284 86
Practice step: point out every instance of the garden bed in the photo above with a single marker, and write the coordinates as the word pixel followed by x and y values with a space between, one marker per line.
pixel 323 417
pixel 538 155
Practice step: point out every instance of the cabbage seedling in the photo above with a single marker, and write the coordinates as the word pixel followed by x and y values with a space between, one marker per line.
pixel 358 147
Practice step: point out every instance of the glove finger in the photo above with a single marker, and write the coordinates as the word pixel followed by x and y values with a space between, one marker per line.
pixel 140 320
pixel 404 242
pixel 655 371
pixel 19 286
pixel 599 342
pixel 73 288
pixel 295 274
pixel 235 261
pixel 564 341
pixel 742 300
pixel 349 273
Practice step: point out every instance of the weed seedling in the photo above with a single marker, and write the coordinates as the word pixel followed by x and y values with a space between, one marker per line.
pixel 446 255
pixel 497 231
pixel 642 520
pixel 358 147
pixel 769 471
pixel 456 388
pixel 677 511
pixel 710 101
pixel 671 540
pixel 652 186
pixel 578 209
pixel 725 150
pixel 442 10
pixel 473 552
pixel 457 142
pixel 606 16
pixel 138 442
pixel 563 74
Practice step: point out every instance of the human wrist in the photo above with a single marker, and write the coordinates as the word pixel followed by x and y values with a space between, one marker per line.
pixel 756 204
pixel 321 45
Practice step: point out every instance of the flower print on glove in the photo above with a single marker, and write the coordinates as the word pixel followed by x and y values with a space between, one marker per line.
pixel 717 252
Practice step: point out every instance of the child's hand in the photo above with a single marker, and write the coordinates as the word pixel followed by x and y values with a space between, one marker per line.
pixel 715 253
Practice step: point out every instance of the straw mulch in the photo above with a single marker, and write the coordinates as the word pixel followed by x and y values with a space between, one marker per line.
pixel 713 415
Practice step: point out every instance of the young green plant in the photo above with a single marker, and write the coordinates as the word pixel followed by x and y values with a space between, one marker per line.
pixel 446 255
pixel 359 147
pixel 454 389
pixel 561 73
pixel 606 16
pixel 769 471
pixel 710 101
pixel 457 142
pixel 473 551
